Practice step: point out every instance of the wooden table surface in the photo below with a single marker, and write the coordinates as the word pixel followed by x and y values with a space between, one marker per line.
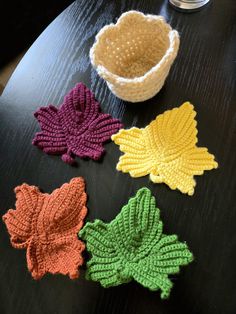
pixel 205 74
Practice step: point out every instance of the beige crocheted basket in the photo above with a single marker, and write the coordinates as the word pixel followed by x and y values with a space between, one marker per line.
pixel 134 55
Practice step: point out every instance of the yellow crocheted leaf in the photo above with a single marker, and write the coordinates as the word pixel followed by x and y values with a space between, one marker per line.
pixel 166 149
pixel 136 160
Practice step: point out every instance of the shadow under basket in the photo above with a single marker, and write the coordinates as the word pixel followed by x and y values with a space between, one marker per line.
pixel 135 55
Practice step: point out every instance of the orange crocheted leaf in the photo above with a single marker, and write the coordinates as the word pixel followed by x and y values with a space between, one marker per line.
pixel 19 222
pixel 63 256
pixel 65 209
pixel 47 225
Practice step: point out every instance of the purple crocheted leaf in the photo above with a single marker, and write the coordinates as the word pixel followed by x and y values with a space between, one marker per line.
pixel 76 128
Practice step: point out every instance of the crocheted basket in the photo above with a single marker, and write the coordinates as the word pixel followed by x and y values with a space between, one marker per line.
pixel 134 56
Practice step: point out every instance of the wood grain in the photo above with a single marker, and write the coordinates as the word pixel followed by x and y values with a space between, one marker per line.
pixel 205 74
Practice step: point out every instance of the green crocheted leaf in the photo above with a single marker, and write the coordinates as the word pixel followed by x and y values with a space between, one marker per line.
pixel 104 263
pixel 165 259
pixel 132 246
pixel 137 227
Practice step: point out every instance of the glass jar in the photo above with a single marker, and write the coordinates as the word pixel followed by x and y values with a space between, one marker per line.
pixel 188 5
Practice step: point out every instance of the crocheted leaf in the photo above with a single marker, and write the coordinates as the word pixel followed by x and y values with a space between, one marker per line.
pixel 166 150
pixel 165 258
pixel 20 228
pixel 132 246
pixel 138 225
pixel 76 128
pixel 105 262
pixel 47 225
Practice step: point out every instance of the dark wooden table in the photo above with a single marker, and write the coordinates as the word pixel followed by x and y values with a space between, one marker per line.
pixel 205 74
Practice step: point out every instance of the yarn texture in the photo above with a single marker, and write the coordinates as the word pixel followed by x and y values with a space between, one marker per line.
pixel 166 150
pixel 46 225
pixel 133 246
pixel 76 128
pixel 135 55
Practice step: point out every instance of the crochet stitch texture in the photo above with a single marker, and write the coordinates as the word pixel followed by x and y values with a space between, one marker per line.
pixel 46 225
pixel 166 150
pixel 133 246
pixel 76 128
pixel 135 55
